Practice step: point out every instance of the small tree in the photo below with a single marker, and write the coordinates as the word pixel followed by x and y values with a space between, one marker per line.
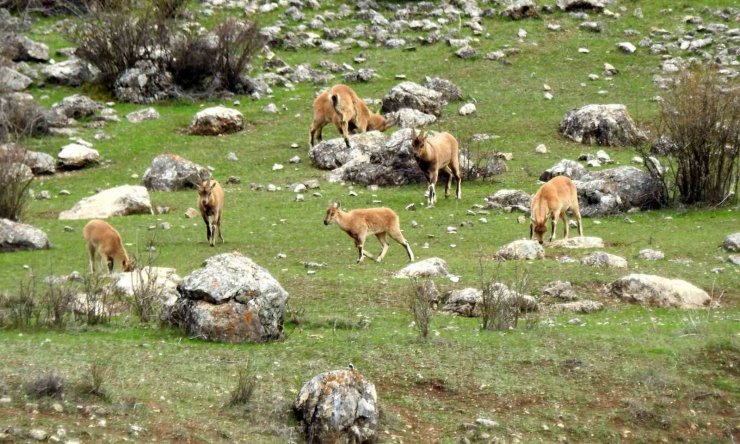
pixel 237 42
pixel 700 118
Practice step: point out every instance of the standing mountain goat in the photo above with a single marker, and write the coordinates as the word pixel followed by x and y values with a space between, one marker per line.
pixel 103 240
pixel 359 223
pixel 211 205
pixel 343 107
pixel 434 153
pixel 552 200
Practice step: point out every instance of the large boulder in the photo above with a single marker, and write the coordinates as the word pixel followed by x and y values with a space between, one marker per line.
pixel 410 118
pixel 144 83
pixel 510 200
pixel 604 259
pixel 333 153
pixel 38 162
pixel 520 9
pixel 432 267
pixel 657 291
pixel 77 155
pixel 230 299
pixel 450 92
pixel 77 106
pixel 216 121
pixel 565 167
pixel 338 406
pixel 606 125
pixel 732 242
pixel 12 80
pixel 469 301
pixel 71 72
pixel 118 201
pixel 521 250
pixel 25 49
pixel 170 172
pixel 412 95
pixel 617 190
pixel 18 236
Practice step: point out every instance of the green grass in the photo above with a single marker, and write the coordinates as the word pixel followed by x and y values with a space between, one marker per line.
pixel 646 374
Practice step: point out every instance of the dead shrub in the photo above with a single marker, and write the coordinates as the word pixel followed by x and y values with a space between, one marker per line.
pixel 94 305
pixel 700 117
pixel 479 163
pixel 420 303
pixel 49 385
pixel 148 294
pixel 502 305
pixel 56 303
pixel 236 43
pixel 15 180
pixel 19 310
pixel 20 119
pixel 94 381
pixel 246 383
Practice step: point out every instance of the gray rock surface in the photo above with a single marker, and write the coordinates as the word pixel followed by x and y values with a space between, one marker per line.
pixel 217 120
pixel 469 301
pixel 565 167
pixel 119 201
pixel 77 106
pixel 17 236
pixel 585 306
pixel 617 190
pixel 450 92
pixel 657 291
pixel 509 200
pixel 144 83
pixel 77 155
pixel 578 242
pixel 40 163
pixel 142 115
pixel 412 95
pixel 732 242
pixel 606 125
pixel 520 9
pixel 170 172
pixel 603 259
pixel 410 118
pixel 560 290
pixel 338 406
pixel 432 267
pixel 12 80
pixel 521 250
pixel 651 255
pixel 230 299
pixel 71 72
pixel 23 48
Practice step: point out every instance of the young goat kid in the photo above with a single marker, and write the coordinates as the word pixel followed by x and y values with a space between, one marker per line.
pixel 343 107
pixel 103 240
pixel 359 223
pixel 552 200
pixel 211 205
pixel 438 152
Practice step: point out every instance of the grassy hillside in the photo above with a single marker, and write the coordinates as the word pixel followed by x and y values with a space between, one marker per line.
pixel 625 374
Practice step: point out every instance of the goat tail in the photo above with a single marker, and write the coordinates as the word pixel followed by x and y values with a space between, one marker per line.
pixel 335 102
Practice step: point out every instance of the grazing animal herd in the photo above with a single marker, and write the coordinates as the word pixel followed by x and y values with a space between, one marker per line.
pixel 348 112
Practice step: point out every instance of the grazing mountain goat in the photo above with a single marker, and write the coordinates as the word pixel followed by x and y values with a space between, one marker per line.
pixel 211 205
pixel 343 107
pixel 359 223
pixel 552 200
pixel 434 153
pixel 104 240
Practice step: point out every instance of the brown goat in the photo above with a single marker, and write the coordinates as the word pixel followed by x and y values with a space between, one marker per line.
pixel 434 153
pixel 211 206
pixel 103 240
pixel 358 224
pixel 552 200
pixel 342 106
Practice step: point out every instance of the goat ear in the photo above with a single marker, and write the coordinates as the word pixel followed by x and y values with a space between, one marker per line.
pixel 337 205
pixel 423 134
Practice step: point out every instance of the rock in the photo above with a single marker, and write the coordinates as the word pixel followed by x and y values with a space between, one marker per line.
pixel 561 290
pixel 467 109
pixel 466 52
pixel 657 291
pixel 469 301
pixel 142 115
pixel 75 156
pixel 217 120
pixel 270 108
pixel 119 201
pixel 17 236
pixel 591 26
pixel 734 259
pixel 432 267
pixel 520 9
pixel 71 72
pixel 565 167
pixel 38 434
pixel 170 172
pixel 586 306
pixel 338 406
pixel 577 5
pixel 160 281
pixel 450 92
pixel 732 242
pixel 77 106
pixel 191 213
pixel 610 70
pixel 617 190
pixel 38 162
pixel 606 125
pixel 651 255
pixel 541 149
pixel 415 96
pixel 410 118
pixel 361 75
pixel 230 299
pixel 577 242
pixel 603 259
pixel 626 47
pixel 232 157
pixel 24 49
pixel 521 250
pixel 12 80
pixel 510 199
pixel 145 82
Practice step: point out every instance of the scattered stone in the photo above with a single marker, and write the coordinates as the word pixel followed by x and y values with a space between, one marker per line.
pixel 415 96
pixel 651 255
pixel 170 172
pixel 520 9
pixel 142 115
pixel 469 301
pixel 295 159
pixel 578 242
pixel 38 434
pixel 734 259
pixel 603 259
pixel 561 290
pixel 17 236
pixel 732 242
pixel 565 167
pixel 75 156
pixel 191 213
pixel 432 267
pixel 510 200
pixel 118 201
pixel 271 108
pixel 467 109
pixel 610 70
pixel 450 92
pixel 410 118
pixel 627 47
pixel 466 52
pixel 231 157
pixel 12 80
pixel 145 82
pixel 521 250
pixel 216 121
pixel 586 306
pixel 657 291
pixel 233 180
pixel 541 149
pixel 606 125
pixel 71 72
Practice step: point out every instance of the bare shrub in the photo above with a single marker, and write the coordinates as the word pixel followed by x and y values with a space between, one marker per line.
pixel 191 64
pixel 49 385
pixel 246 382
pixel 95 380
pixel 501 305
pixel 701 118
pixel 15 180
pixel 20 119
pixel 237 41
pixel 148 293
pixel 93 306
pixel 20 309
pixel 56 302
pixel 420 303
pixel 479 163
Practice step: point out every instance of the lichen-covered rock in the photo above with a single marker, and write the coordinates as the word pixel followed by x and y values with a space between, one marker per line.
pixel 216 121
pixel 118 201
pixel 521 250
pixel 603 259
pixel 578 242
pixel 17 236
pixel 657 291
pixel 76 155
pixel 509 200
pixel 333 153
pixel 170 172
pixel 338 406
pixel 520 9
pixel 606 125
pixel 732 242
pixel 412 95
pixel 230 299
pixel 432 267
